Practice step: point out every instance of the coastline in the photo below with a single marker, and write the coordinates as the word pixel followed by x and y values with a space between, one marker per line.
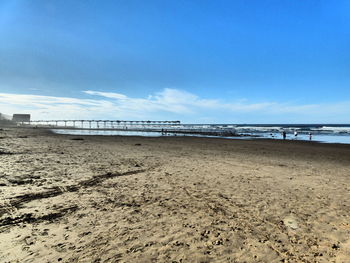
pixel 184 199
pixel 329 137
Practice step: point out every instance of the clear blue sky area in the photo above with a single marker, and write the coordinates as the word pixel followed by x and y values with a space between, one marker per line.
pixel 284 52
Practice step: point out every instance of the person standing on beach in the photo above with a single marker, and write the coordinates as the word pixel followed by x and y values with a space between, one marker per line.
pixel 310 136
pixel 284 135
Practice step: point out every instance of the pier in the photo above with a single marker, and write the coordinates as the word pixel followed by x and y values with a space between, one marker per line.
pixel 99 124
pixel 164 127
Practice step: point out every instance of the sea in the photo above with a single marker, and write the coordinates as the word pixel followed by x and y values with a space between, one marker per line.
pixel 323 133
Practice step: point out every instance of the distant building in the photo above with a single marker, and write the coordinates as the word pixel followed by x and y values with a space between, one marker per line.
pixel 21 117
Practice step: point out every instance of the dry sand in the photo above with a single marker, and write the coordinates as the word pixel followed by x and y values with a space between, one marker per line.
pixel 171 199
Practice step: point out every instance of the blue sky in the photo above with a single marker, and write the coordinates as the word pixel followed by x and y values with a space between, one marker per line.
pixel 262 61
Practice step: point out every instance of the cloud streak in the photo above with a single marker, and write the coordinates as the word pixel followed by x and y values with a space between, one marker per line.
pixel 166 104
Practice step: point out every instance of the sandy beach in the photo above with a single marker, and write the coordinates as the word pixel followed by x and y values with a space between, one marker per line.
pixel 171 199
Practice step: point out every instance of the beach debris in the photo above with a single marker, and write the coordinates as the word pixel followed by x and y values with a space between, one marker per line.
pixel 5 153
pixel 290 222
pixel 32 218
pixel 138 144
pixel 336 246
pixel 77 139
pixel 20 181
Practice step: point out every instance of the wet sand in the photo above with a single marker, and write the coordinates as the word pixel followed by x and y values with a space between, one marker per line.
pixel 171 199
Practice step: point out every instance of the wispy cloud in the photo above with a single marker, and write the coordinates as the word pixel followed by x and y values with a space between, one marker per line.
pixel 168 103
pixel 176 101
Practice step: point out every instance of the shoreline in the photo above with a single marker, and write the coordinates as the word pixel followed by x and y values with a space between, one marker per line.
pixel 75 198
pixel 317 136
pixel 320 138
